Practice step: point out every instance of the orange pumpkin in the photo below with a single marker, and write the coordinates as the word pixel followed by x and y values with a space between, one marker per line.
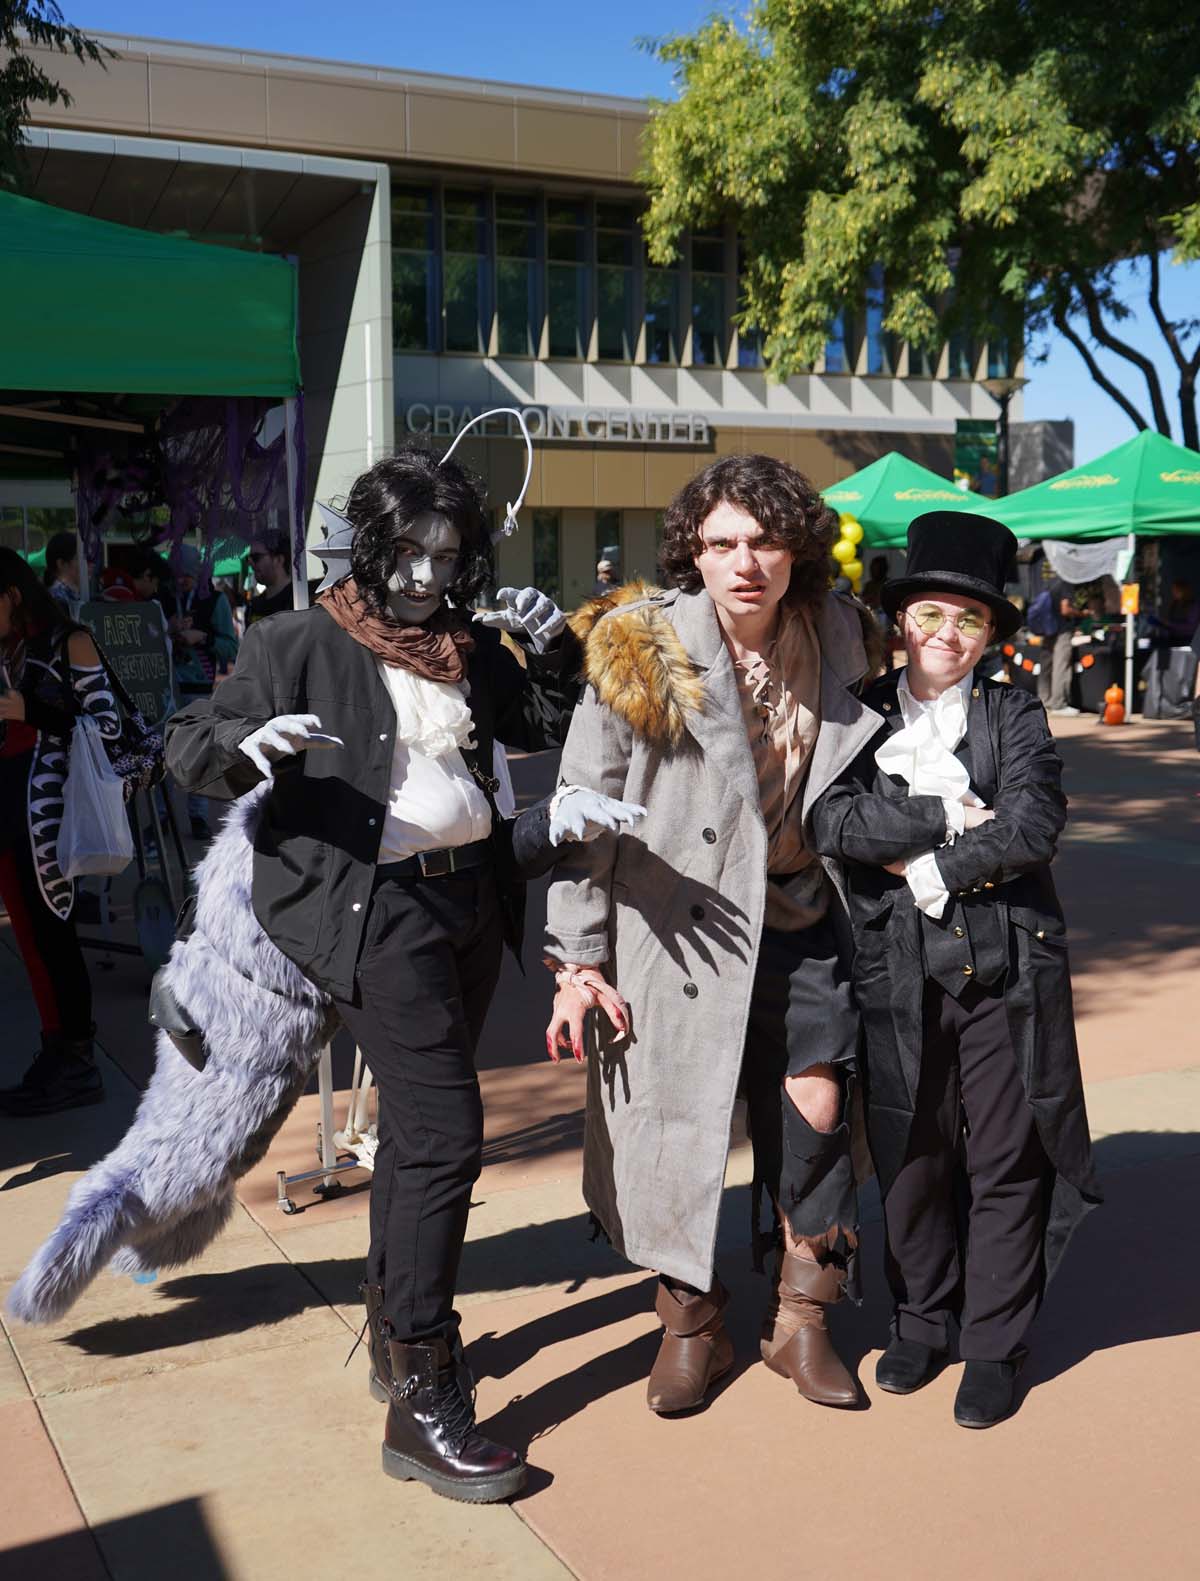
pixel 1027 664
pixel 1114 694
pixel 1088 660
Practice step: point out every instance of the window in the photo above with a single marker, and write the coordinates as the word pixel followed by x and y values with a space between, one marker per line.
pixel 880 351
pixel 709 312
pixel 750 340
pixel 614 281
pixel 516 276
pixel 566 278
pixel 414 270
pixel 962 356
pixel 547 563
pixel 662 315
pixel 608 537
pixel 465 309
pixel 838 357
pixel 999 362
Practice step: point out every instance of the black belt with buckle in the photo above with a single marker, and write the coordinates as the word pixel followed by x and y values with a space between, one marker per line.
pixel 438 864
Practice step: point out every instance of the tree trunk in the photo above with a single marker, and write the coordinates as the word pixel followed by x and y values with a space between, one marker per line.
pixel 1189 426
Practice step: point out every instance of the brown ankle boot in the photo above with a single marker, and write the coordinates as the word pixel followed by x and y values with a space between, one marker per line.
pixel 695 1349
pixel 796 1342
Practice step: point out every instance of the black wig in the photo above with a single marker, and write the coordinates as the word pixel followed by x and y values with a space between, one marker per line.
pixel 385 500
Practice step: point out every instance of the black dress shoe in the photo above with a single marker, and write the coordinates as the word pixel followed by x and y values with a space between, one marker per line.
pixel 907 1365
pixel 987 1393
pixel 431 1435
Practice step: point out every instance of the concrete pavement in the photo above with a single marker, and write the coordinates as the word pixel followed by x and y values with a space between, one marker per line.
pixel 204 1426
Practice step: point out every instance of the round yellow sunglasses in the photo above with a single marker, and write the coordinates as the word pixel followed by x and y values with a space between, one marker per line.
pixel 930 619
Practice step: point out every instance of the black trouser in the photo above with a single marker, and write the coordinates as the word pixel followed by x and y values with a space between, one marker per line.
pixel 969 1097
pixel 428 968
pixel 802 1013
pixel 49 946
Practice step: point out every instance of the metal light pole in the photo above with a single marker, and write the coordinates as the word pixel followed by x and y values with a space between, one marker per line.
pixel 1002 392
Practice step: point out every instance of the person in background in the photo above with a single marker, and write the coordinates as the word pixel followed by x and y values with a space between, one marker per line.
pixel 50 674
pixel 203 640
pixel 872 589
pixel 147 572
pixel 873 586
pixel 1183 614
pixel 62 571
pixel 606 578
pixel 271 562
pixel 1054 677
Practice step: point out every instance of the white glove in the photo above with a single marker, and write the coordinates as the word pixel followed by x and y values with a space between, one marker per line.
pixel 528 611
pixel 283 737
pixel 577 813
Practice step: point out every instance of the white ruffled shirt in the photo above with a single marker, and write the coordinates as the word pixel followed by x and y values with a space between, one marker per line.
pixel 922 752
pixel 433 802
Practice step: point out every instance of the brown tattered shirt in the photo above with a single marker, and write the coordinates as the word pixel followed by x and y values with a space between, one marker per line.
pixel 780 693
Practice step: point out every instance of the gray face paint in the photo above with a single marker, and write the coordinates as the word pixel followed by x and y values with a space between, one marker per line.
pixel 425 567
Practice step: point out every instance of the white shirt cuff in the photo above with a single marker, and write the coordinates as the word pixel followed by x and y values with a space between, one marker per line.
pixel 955 819
pixel 925 880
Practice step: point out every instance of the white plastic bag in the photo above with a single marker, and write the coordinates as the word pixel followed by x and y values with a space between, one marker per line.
pixel 95 836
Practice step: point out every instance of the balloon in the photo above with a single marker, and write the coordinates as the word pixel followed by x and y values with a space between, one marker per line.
pixel 853 569
pixel 843 551
pixel 852 530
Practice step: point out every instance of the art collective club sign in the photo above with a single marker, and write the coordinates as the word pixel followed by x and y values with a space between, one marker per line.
pixel 583 425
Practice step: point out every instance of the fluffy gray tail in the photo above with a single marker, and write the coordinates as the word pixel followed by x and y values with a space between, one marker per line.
pixel 98 1217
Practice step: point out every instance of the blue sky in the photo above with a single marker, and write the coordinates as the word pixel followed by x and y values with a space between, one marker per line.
pixel 593 49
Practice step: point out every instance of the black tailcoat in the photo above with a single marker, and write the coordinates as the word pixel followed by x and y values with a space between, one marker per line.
pixel 1003 897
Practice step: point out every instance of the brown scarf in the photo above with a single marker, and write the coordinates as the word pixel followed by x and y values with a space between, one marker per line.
pixel 436 650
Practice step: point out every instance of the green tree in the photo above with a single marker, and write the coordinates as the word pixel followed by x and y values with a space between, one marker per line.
pixel 999 158
pixel 23 82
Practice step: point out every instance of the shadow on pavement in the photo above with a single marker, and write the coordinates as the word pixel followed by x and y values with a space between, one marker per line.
pixel 1127 1278
pixel 136 1547
pixel 1131 1273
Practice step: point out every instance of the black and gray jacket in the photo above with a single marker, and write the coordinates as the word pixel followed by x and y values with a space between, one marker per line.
pixel 57 693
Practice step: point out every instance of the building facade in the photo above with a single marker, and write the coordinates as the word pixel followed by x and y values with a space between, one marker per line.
pixel 465 245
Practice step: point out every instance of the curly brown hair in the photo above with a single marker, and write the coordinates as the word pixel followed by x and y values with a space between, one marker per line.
pixel 781 500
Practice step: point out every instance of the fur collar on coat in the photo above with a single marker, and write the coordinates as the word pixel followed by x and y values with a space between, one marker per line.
pixel 646 651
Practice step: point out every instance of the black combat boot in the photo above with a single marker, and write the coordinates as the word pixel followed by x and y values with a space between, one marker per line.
pixel 379 1331
pixel 431 1434
pixel 63 1076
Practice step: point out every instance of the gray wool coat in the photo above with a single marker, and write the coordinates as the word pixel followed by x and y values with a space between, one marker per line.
pixel 674 911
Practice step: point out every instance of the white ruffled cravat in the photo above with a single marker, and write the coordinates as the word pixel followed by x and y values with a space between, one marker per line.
pixel 432 717
pixel 922 752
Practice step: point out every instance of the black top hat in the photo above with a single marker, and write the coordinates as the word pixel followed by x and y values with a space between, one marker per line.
pixel 958 552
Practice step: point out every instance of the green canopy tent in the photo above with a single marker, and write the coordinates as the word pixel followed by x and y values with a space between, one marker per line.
pixel 1148 487
pixel 886 495
pixel 92 306
pixel 97 308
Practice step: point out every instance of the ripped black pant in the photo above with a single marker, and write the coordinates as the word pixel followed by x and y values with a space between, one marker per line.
pixel 802 1013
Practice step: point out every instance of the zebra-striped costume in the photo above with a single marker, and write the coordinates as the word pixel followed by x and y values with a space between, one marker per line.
pixel 58 692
